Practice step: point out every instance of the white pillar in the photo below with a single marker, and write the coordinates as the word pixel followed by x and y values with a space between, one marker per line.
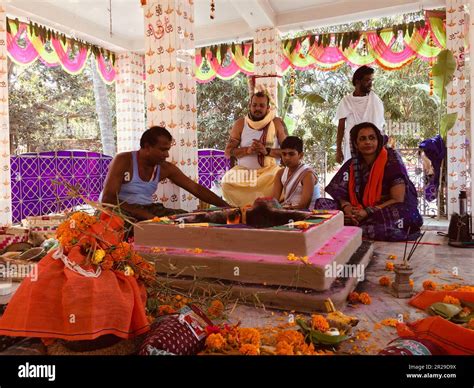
pixel 5 172
pixel 456 102
pixel 267 58
pixel 130 101
pixel 171 88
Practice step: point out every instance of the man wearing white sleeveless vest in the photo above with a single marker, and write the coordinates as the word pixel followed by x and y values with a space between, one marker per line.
pixel 361 106
pixel 255 143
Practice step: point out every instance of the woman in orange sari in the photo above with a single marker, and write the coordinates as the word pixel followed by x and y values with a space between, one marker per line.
pixel 374 191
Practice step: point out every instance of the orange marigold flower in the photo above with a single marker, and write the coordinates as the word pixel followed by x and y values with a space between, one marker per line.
pixel 392 257
pixel 390 322
pixel 353 297
pixel 215 342
pixel 365 298
pixel 403 330
pixel 449 287
pixel 249 350
pixel 429 285
pixel 389 266
pixel 291 337
pixel 249 336
pixel 470 324
pixel 384 281
pixel 320 323
pixel 412 283
pixel 216 309
pixel 284 349
pixel 451 300
pixel 165 309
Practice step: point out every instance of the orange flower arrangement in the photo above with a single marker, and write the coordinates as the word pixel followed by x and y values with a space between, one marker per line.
pixel 429 285
pixel 353 297
pixel 384 281
pixel 320 323
pixel 249 350
pixel 96 241
pixel 451 300
pixel 216 309
pixel 389 266
pixel 365 298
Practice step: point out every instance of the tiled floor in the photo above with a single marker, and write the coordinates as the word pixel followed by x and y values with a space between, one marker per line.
pixel 433 253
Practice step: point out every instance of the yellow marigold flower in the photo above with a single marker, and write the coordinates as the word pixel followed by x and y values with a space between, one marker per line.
pixel 384 281
pixel 216 309
pixel 353 297
pixel 292 257
pixel 390 322
pixel 412 283
pixel 284 349
pixel 249 350
pixel 249 336
pixel 156 219
pixel 389 266
pixel 429 285
pixel 98 256
pixel 365 298
pixel 320 323
pixel 215 342
pixel 303 225
pixel 451 300
pixel 392 257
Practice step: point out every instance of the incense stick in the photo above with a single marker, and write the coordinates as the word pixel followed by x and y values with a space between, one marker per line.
pixel 415 246
pixel 406 244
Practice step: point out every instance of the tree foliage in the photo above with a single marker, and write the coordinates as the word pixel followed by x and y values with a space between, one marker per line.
pixel 51 109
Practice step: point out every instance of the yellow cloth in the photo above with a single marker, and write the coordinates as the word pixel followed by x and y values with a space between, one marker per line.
pixel 242 186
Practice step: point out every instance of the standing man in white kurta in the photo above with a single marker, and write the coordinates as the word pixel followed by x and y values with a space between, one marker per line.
pixel 363 105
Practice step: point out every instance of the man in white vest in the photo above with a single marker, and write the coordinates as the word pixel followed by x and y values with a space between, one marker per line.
pixel 361 106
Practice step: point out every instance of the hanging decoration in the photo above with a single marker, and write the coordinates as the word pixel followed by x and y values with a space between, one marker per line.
pixel 27 43
pixel 213 9
pixel 390 48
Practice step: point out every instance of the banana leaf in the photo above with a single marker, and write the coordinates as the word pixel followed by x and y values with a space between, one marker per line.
pixel 445 310
pixel 318 337
pixel 443 72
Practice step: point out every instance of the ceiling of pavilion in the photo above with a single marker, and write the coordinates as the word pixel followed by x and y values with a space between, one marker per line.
pixel 235 20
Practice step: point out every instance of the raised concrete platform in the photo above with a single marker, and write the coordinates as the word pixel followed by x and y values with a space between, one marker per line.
pixel 253 268
pixel 268 241
pixel 280 297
